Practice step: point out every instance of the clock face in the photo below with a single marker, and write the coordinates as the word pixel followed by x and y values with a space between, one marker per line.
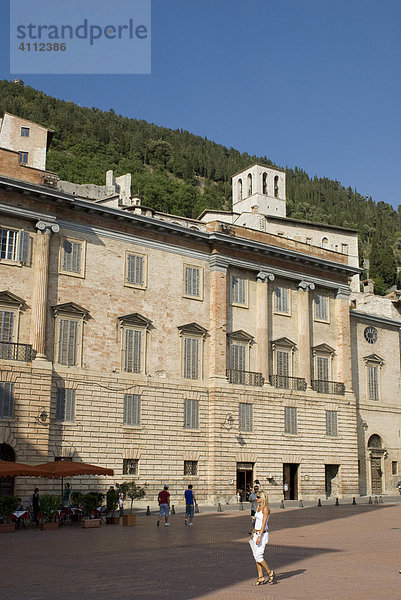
pixel 370 334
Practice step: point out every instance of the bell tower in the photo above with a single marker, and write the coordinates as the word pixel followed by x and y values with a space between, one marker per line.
pixel 259 189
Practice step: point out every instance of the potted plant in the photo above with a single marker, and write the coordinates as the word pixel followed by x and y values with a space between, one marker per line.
pixel 48 507
pixel 134 492
pixel 8 504
pixel 112 504
pixel 90 502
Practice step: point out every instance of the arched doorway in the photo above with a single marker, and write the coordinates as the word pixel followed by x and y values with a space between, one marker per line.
pixel 6 483
pixel 375 448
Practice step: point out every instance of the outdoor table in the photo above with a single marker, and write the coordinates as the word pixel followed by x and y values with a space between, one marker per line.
pixel 21 518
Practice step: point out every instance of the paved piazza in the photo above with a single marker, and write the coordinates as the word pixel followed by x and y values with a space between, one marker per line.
pixel 332 552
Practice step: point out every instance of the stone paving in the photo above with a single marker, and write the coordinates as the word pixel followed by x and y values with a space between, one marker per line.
pixel 326 553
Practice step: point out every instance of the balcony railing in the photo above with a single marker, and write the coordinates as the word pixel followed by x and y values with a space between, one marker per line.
pixel 11 351
pixel 328 387
pixel 245 377
pixel 288 383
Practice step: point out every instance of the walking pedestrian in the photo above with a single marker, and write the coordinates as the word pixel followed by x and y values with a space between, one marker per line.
pixel 260 537
pixel 190 502
pixel 164 505
pixel 35 503
pixel 254 505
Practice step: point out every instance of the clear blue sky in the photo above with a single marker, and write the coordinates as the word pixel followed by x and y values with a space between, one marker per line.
pixel 312 83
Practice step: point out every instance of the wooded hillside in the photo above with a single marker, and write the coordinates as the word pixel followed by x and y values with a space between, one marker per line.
pixel 181 173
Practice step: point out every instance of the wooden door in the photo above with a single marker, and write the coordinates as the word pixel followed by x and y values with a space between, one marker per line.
pixel 376 475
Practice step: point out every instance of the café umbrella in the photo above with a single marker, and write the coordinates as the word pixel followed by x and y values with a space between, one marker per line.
pixel 67 468
pixel 15 469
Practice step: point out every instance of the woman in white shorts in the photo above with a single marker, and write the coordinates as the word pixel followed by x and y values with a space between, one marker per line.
pixel 260 537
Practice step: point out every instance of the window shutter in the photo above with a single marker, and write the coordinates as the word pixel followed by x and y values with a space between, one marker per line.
pixel 191 358
pixel 24 243
pixel 72 256
pixel 331 422
pixel 132 409
pixel 281 299
pixel 192 281
pixel 69 405
pixel 322 368
pixel 239 290
pixel 245 416
pixel 283 363
pixel 238 357
pixel 6 399
pixel 373 383
pixel 60 405
pixel 191 414
pixel 135 269
pixel 133 351
pixel 290 419
pixel 321 306
pixel 68 342
pixel 6 326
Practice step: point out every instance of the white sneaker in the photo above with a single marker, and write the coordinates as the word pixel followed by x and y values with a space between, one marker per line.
pixel 190 523
pixel 166 524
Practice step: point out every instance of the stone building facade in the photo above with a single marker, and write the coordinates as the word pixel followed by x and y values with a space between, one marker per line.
pixel 173 350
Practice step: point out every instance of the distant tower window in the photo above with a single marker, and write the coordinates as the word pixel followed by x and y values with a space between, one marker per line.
pixel 239 189
pixel 249 184
pixel 23 158
pixel 325 242
pixel 24 131
pixel 264 183
pixel 276 186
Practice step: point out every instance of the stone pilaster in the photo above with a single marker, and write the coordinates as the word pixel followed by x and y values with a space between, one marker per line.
pixel 304 330
pixel 218 319
pixel 40 285
pixel 262 328
pixel 343 335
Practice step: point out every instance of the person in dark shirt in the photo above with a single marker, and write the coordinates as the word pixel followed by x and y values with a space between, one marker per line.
pixel 190 502
pixel 164 505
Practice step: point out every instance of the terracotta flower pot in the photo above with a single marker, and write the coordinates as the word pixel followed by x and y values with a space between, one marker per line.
pixel 90 523
pixel 7 527
pixel 129 520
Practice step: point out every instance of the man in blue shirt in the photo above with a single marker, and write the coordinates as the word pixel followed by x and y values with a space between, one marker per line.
pixel 190 502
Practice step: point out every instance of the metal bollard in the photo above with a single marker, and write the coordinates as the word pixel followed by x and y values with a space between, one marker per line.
pixel 172 509
pixel 301 504
pixel 219 509
pixel 353 500
pixel 319 503
pixel 376 500
pixel 148 511
pixel 370 500
pixel 380 500
pixel 282 504
pixel 337 502
pixel 241 505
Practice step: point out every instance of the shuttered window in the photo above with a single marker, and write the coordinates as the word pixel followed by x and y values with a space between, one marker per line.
pixel 238 290
pixel 65 406
pixel 6 399
pixel 130 466
pixel 321 307
pixel 6 333
pixel 191 414
pixel 281 299
pixel 192 281
pixel 322 366
pixel 191 357
pixel 238 357
pixel 283 363
pixel 133 340
pixel 71 256
pixel 14 245
pixel 245 417
pixel 135 269
pixel 373 382
pixel 68 342
pixel 331 423
pixel 132 409
pixel 290 419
